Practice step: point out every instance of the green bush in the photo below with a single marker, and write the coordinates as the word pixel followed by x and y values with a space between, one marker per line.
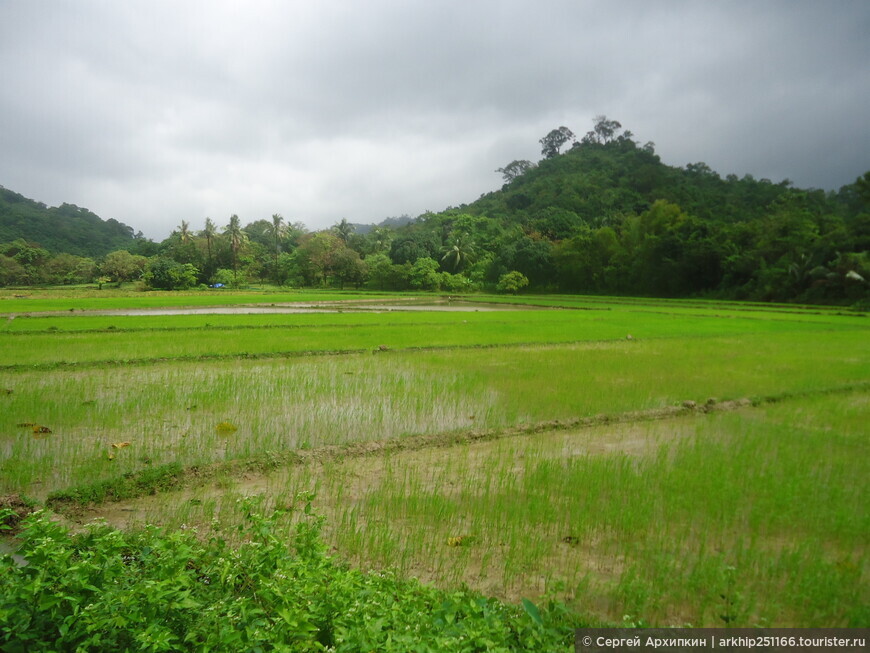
pixel 512 282
pixel 166 274
pixel 424 274
pixel 171 591
pixel 457 283
pixel 228 278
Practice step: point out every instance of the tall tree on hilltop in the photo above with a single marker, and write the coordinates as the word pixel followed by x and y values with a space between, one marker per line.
pixel 604 131
pixel 553 142
pixel 515 169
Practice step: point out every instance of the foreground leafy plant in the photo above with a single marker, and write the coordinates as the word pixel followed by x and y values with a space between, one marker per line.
pixel 155 590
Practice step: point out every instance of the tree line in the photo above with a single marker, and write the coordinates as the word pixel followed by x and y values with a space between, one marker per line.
pixel 599 214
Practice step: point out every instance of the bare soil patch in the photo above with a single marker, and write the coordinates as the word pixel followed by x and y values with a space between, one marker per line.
pixel 20 509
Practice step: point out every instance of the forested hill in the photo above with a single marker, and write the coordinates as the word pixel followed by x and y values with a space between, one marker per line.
pixel 603 214
pixel 593 184
pixel 65 228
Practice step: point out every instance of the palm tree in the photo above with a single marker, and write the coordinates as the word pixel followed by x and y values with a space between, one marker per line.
pixel 237 238
pixel 184 232
pixel 343 229
pixel 458 254
pixel 276 231
pixel 209 233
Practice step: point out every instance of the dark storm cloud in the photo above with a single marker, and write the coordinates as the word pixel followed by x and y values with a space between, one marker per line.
pixel 153 112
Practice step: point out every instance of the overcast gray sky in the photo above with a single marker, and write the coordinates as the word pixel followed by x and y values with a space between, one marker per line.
pixel 157 111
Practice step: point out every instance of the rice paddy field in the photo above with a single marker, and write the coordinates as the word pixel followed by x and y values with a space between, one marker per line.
pixel 643 461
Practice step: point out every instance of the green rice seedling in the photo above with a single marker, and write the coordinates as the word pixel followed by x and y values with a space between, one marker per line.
pixel 293 335
pixel 171 410
pixel 175 412
pixel 90 299
pixel 726 515
pixel 735 518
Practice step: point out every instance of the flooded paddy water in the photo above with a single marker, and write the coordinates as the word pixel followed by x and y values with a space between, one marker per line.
pixel 296 308
pixel 302 308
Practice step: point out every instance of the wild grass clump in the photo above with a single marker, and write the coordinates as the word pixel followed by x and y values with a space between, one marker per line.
pixel 156 590
pixel 132 484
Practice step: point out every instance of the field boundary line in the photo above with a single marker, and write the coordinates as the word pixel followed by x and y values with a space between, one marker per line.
pixel 805 309
pixel 380 350
pixel 652 309
pixel 235 327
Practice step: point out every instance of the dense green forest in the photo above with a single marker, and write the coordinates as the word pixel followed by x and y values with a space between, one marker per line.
pixel 599 214
pixel 66 228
